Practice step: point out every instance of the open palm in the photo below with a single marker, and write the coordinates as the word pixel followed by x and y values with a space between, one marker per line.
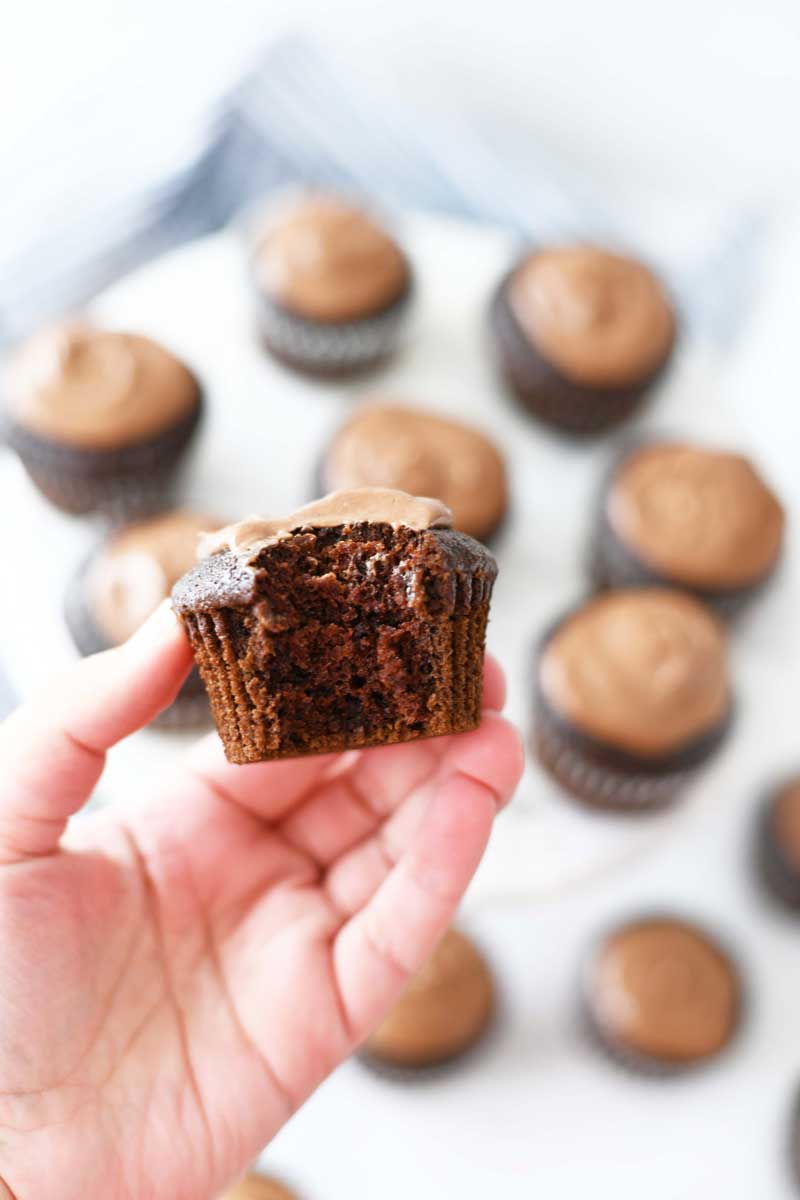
pixel 179 976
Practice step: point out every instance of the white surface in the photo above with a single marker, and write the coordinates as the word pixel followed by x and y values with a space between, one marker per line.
pixel 539 1112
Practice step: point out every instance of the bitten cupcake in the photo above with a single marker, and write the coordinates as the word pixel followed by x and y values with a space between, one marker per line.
pixel 98 418
pixel 703 520
pixel 445 1011
pixel 357 620
pixel 332 287
pixel 779 842
pixel 580 334
pixel 632 695
pixel 390 445
pixel 661 995
pixel 124 580
pixel 259 1187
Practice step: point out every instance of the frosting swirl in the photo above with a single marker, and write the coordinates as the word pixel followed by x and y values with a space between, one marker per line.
pixel 663 988
pixel 97 389
pixel 137 567
pixel 600 319
pixel 700 517
pixel 377 506
pixel 327 261
pixel 424 454
pixel 642 670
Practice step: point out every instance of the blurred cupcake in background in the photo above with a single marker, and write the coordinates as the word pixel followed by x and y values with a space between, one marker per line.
pixel 332 286
pixel 98 418
pixel 778 842
pixel 700 519
pixel 254 1186
pixel 631 697
pixel 392 445
pixel 124 580
pixel 581 334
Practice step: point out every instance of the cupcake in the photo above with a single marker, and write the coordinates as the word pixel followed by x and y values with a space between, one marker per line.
pixel 444 1012
pixel 357 620
pixel 388 445
pixel 681 515
pixel 124 580
pixel 99 419
pixel 580 334
pixel 258 1187
pixel 332 287
pixel 779 842
pixel 661 995
pixel 632 695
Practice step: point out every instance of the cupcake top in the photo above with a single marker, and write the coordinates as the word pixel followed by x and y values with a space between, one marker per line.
pixel 784 819
pixel 258 1187
pixel 642 670
pixel 663 989
pixel 327 261
pixel 602 320
pixel 377 506
pixel 424 454
pixel 136 568
pixel 443 1011
pixel 700 517
pixel 97 389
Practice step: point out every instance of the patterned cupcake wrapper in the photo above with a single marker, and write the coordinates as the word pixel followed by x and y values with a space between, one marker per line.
pixel 333 350
pixel 120 484
pixel 602 786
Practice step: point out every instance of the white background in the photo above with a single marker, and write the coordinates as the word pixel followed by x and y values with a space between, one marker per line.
pixel 662 107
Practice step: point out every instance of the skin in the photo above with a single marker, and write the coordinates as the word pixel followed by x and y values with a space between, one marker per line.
pixel 178 977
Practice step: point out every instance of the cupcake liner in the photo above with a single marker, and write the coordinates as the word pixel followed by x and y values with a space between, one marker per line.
pixel 569 407
pixel 331 350
pixel 121 483
pixel 776 874
pixel 794 1140
pixel 646 1066
pixel 190 707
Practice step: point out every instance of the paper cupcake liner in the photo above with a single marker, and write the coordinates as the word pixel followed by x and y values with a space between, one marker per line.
pixel 776 874
pixel 647 1066
pixel 548 395
pixel 600 785
pixel 121 484
pixel 331 349
pixel 794 1140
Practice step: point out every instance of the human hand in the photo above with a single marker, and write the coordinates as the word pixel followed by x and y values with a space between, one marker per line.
pixel 178 976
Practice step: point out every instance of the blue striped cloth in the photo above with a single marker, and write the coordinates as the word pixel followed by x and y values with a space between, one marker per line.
pixel 292 119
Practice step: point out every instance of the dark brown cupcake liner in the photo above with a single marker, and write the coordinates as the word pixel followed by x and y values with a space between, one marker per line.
pixel 246 739
pixel 614 565
pixel 776 873
pixel 545 393
pixel 189 709
pixel 119 484
pixel 332 350
pixel 647 1066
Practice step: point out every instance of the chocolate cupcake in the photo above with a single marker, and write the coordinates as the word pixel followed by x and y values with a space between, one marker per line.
pixel 358 620
pixel 99 419
pixel 124 580
pixel 332 287
pixel 443 1013
pixel 580 334
pixel 388 445
pixel 259 1187
pixel 632 695
pixel 661 995
pixel 689 517
pixel 779 842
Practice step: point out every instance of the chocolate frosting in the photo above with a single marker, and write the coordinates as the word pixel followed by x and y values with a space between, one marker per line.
pixel 662 988
pixel 95 388
pixel 424 454
pixel 137 567
pixel 375 506
pixel 642 670
pixel 443 1010
pixel 327 261
pixel 601 320
pixel 701 517
pixel 786 823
